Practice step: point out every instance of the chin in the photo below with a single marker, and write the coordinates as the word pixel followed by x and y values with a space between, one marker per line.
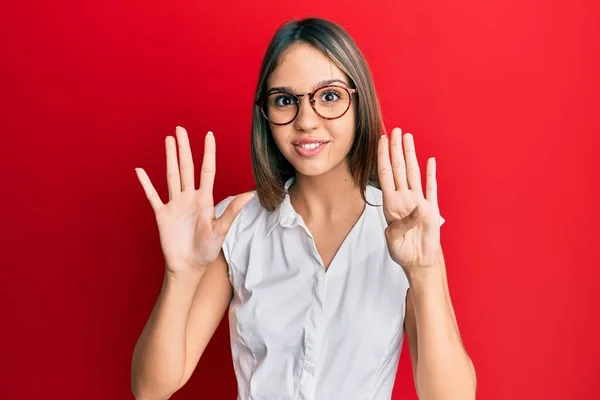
pixel 314 167
pixel 312 171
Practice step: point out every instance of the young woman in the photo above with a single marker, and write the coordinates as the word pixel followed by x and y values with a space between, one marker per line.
pixel 326 264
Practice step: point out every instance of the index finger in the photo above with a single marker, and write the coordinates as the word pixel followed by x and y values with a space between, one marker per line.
pixel 384 166
pixel 208 170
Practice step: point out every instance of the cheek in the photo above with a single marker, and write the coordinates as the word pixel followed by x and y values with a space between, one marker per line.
pixel 280 136
pixel 342 130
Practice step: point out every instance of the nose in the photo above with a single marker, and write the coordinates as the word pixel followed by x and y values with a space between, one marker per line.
pixel 307 119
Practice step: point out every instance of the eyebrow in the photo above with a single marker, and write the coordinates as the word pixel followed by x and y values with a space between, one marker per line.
pixel 318 85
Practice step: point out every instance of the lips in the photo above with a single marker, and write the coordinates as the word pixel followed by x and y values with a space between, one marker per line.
pixel 310 143
pixel 309 147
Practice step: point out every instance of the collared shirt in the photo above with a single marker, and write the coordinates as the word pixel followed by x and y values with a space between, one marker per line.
pixel 299 331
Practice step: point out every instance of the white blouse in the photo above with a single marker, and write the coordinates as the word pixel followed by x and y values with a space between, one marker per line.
pixel 300 332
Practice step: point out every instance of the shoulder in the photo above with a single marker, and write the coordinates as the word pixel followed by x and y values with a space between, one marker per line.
pixel 374 195
pixel 374 199
pixel 238 230
pixel 249 212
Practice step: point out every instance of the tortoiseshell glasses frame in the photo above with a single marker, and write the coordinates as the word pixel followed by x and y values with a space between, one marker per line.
pixel 261 102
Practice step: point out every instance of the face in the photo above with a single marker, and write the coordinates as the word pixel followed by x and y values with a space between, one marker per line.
pixel 312 144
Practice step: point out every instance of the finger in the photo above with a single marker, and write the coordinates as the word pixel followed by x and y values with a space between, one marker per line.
pixel 151 193
pixel 431 184
pixel 186 163
pixel 233 209
pixel 384 166
pixel 398 164
pixel 208 171
pixel 413 172
pixel 173 178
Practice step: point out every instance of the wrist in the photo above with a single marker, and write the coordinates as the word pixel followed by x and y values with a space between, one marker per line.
pixel 184 274
pixel 423 279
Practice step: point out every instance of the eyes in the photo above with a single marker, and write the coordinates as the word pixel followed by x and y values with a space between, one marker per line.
pixel 284 100
pixel 324 96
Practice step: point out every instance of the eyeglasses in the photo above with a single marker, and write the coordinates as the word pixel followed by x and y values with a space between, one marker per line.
pixel 328 102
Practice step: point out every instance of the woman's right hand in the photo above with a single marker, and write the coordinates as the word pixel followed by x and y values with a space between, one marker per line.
pixel 190 235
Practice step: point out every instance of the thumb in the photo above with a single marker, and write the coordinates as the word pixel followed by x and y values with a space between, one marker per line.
pixel 233 209
pixel 398 228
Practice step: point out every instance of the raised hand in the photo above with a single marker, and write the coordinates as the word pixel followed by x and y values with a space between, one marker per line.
pixel 190 235
pixel 413 232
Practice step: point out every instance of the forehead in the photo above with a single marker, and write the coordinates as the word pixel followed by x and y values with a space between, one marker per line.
pixel 301 67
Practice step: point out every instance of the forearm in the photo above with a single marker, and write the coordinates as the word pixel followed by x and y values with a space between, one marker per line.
pixel 160 353
pixel 444 369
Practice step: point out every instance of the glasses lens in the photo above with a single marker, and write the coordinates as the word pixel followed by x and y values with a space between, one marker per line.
pixel 331 101
pixel 280 108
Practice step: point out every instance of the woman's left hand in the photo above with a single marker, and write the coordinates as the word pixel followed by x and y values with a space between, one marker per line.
pixel 413 232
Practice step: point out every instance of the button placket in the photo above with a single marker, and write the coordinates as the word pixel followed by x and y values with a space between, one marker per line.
pixel 314 328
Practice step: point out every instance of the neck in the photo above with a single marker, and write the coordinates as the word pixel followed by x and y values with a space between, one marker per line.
pixel 326 196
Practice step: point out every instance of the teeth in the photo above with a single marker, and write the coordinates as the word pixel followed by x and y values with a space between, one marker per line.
pixel 310 146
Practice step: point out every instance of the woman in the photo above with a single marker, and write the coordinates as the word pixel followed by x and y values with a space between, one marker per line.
pixel 326 264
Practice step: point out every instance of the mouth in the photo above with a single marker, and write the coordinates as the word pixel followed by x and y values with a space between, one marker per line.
pixel 310 145
pixel 310 148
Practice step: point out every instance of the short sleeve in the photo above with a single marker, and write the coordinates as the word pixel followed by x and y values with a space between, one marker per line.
pixel 222 205
pixel 229 238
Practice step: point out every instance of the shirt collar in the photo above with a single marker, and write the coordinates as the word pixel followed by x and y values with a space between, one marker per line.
pixel 284 214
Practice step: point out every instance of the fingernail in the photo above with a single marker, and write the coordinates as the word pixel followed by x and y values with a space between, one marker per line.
pixel 210 133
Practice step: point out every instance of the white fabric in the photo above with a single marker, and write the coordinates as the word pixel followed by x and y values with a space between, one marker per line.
pixel 300 332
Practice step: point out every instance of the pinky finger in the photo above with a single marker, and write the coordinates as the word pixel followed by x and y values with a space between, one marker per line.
pixel 149 189
pixel 431 185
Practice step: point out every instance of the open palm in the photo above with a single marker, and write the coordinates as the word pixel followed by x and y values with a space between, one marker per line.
pixel 413 232
pixel 190 235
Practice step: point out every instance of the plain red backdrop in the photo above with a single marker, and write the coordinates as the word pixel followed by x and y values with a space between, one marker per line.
pixel 504 94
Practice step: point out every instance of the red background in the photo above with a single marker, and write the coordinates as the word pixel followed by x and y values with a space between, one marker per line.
pixel 504 94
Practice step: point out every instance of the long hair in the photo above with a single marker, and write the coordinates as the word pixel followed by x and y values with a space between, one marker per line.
pixel 270 168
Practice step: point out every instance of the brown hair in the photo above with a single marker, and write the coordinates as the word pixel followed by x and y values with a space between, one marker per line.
pixel 270 168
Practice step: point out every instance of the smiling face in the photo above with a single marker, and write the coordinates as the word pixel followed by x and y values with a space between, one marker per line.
pixel 312 144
